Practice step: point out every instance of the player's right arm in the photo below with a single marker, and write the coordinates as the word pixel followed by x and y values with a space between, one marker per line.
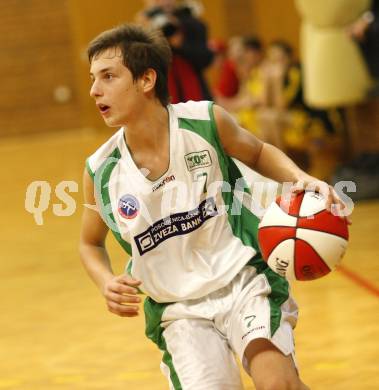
pixel 119 291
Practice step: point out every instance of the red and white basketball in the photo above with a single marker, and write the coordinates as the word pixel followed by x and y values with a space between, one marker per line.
pixel 303 240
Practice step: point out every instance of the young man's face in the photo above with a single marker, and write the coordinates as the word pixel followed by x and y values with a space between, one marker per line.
pixel 115 93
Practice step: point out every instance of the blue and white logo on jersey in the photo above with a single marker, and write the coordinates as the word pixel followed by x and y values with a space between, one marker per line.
pixel 175 225
pixel 128 206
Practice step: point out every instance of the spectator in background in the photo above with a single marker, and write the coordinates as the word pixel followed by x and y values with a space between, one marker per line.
pixel 187 36
pixel 288 123
pixel 195 44
pixel 282 93
pixel 366 31
pixel 151 7
pixel 183 81
pixel 270 104
pixel 364 167
pixel 246 54
pixel 227 81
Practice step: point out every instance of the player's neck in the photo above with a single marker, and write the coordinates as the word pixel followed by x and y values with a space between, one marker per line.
pixel 148 131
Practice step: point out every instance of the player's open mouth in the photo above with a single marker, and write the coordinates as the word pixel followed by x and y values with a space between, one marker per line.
pixel 103 108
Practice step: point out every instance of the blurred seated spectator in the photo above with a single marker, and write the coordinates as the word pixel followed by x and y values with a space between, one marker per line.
pixel 366 31
pixel 282 93
pixel 313 137
pixel 227 82
pixel 187 35
pixel 363 167
pixel 270 104
pixel 246 55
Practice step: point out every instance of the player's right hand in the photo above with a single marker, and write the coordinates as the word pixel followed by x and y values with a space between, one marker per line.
pixel 120 294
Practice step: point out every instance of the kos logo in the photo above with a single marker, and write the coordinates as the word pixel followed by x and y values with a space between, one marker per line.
pixel 128 206
pixel 196 160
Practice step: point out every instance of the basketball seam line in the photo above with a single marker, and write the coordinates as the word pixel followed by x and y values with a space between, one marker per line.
pixel 300 239
pixel 318 254
pixel 292 238
pixel 305 228
pixel 298 215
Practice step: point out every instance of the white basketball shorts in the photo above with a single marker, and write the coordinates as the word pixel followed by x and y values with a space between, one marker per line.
pixel 200 337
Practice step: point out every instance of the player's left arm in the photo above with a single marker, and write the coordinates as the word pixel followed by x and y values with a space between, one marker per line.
pixel 266 159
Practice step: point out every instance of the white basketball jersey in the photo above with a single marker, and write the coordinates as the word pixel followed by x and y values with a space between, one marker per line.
pixel 187 232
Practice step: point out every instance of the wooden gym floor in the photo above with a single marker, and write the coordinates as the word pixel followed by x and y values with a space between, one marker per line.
pixel 56 333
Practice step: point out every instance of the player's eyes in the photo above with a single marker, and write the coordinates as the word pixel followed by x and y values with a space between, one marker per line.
pixel 106 76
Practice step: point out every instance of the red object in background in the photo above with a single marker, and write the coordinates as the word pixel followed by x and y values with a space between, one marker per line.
pixel 183 83
pixel 228 83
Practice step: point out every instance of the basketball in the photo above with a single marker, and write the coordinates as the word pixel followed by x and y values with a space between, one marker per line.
pixel 303 240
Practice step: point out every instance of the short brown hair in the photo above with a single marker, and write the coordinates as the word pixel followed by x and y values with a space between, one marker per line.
pixel 141 49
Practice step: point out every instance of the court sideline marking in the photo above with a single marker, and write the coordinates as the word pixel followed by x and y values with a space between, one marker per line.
pixel 359 280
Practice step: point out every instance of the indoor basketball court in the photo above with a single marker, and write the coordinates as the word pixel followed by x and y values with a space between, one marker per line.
pixel 56 332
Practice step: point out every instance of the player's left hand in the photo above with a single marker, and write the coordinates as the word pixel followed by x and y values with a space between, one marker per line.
pixel 333 202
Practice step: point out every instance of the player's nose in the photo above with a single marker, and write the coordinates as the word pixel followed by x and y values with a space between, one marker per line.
pixel 95 90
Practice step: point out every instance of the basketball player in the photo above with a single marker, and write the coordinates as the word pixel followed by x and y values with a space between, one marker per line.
pixel 165 184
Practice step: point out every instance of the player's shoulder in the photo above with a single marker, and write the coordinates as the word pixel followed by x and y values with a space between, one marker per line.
pixel 108 149
pixel 199 110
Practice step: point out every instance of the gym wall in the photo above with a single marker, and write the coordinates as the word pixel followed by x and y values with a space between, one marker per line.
pixel 44 69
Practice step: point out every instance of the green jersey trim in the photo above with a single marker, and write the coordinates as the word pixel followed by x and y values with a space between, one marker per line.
pixel 249 236
pixel 101 180
pixel 245 225
pixel 89 170
pixel 154 331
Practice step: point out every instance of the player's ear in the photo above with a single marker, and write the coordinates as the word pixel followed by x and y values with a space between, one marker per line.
pixel 148 80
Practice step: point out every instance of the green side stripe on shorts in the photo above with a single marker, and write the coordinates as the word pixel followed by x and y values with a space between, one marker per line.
pixel 279 294
pixel 279 290
pixel 101 181
pixel 154 331
pixel 128 270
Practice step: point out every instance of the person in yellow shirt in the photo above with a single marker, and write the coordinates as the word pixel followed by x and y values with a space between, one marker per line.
pixel 281 101
pixel 247 54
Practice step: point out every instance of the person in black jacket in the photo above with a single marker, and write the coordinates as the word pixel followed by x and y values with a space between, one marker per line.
pixel 194 45
pixel 366 31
